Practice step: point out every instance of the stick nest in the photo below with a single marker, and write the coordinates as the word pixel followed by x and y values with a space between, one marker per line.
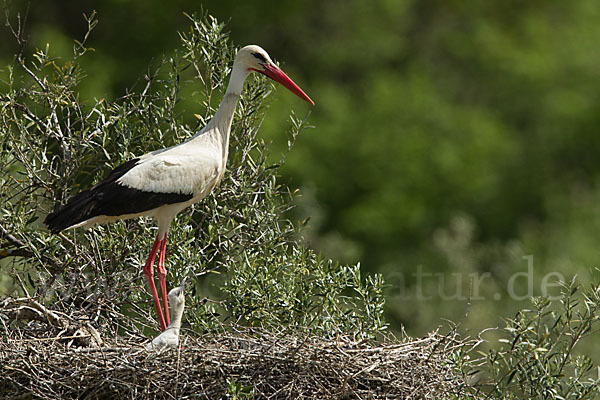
pixel 49 355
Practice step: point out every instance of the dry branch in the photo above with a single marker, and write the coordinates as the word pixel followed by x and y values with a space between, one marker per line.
pixel 276 365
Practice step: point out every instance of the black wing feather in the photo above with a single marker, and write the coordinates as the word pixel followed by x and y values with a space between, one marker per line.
pixel 109 198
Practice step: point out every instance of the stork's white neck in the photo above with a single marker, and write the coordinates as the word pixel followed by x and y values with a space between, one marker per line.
pixel 177 315
pixel 239 72
pixel 220 125
pixel 224 115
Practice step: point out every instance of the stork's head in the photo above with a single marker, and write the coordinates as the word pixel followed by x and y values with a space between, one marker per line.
pixel 177 296
pixel 255 58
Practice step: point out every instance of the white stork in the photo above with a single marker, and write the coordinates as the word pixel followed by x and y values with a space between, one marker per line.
pixel 166 181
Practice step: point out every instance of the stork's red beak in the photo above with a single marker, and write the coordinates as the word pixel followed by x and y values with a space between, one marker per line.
pixel 275 73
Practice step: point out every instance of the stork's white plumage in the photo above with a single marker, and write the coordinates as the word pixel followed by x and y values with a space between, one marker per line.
pixel 166 181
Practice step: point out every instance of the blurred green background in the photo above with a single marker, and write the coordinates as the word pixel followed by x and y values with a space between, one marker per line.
pixel 456 143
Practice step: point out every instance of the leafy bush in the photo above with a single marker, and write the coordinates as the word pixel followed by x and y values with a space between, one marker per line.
pixel 236 246
pixel 539 355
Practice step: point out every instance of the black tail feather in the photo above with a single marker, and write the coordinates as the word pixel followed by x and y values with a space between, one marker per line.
pixel 80 208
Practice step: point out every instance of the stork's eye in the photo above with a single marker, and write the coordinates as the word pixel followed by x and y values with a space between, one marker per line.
pixel 260 57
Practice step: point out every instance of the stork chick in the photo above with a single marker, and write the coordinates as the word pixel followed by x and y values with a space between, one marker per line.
pixel 170 336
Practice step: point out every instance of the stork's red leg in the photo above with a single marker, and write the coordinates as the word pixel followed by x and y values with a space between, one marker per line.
pixel 149 272
pixel 161 271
